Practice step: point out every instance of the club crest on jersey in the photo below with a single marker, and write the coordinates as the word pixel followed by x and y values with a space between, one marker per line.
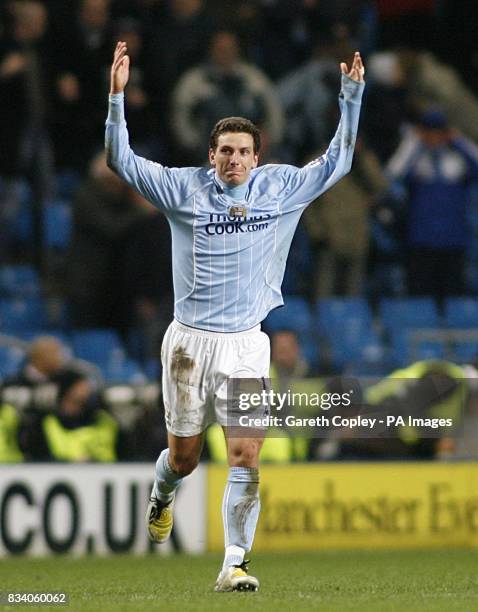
pixel 239 212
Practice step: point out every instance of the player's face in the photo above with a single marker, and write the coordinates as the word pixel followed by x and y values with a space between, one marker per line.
pixel 234 157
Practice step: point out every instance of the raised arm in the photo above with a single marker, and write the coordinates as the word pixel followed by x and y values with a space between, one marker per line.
pixel 119 76
pixel 357 71
pixel 338 157
pixel 307 183
pixel 164 187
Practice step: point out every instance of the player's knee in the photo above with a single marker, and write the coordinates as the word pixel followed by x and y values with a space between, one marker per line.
pixel 183 465
pixel 244 457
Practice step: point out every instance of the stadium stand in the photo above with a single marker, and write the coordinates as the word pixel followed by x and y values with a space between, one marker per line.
pixel 408 313
pixel 333 312
pixel 404 349
pixel 17 314
pixel 11 358
pixel 96 345
pixel 19 281
pixel 296 315
pixel 57 225
pixel 461 312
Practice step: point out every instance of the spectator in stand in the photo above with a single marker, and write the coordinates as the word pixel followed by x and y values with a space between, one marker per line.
pixel 387 104
pixel 27 394
pixel 79 430
pixel 430 389
pixel 223 86
pixel 246 18
pixel 404 22
pixel 142 122
pixel 82 52
pixel 24 83
pixel 286 35
pixel 287 360
pixel 24 394
pixel 146 299
pixel 356 19
pixel 46 358
pixel 427 389
pixel 178 42
pixel 288 370
pixel 434 83
pixel 105 210
pixel 24 71
pixel 289 29
pixel 149 12
pixel 339 227
pixel 456 37
pixel 434 165
pixel 309 98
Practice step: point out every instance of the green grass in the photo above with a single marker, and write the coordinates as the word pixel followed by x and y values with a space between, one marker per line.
pixel 327 581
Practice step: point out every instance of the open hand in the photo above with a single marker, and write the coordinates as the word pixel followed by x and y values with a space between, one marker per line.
pixel 119 69
pixel 357 71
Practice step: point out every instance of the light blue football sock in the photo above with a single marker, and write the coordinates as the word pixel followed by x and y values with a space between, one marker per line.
pixel 240 512
pixel 167 480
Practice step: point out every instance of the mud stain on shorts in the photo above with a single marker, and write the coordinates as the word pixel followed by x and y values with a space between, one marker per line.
pixel 181 366
pixel 181 363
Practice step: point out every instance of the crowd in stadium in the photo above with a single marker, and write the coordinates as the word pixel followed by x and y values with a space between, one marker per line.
pixel 80 250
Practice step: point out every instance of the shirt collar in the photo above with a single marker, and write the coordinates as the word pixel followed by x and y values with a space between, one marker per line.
pixel 237 193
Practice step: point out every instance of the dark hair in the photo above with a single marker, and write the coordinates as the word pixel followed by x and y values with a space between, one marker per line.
pixel 235 124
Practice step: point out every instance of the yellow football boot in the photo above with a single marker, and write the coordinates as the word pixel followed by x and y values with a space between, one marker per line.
pixel 159 518
pixel 236 578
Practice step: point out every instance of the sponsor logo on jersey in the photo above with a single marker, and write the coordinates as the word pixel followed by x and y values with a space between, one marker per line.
pixel 231 224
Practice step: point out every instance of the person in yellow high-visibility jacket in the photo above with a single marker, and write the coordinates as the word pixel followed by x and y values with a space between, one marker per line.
pixel 425 390
pixel 9 435
pixel 79 430
pixel 288 372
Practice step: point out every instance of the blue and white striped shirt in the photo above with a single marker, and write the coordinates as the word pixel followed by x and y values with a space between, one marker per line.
pixel 228 269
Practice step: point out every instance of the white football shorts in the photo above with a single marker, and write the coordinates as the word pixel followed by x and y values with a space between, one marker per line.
pixel 196 367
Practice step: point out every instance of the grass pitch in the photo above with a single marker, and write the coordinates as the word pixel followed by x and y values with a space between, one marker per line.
pixel 327 581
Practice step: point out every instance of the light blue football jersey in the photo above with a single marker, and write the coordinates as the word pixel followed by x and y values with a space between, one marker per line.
pixel 229 247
